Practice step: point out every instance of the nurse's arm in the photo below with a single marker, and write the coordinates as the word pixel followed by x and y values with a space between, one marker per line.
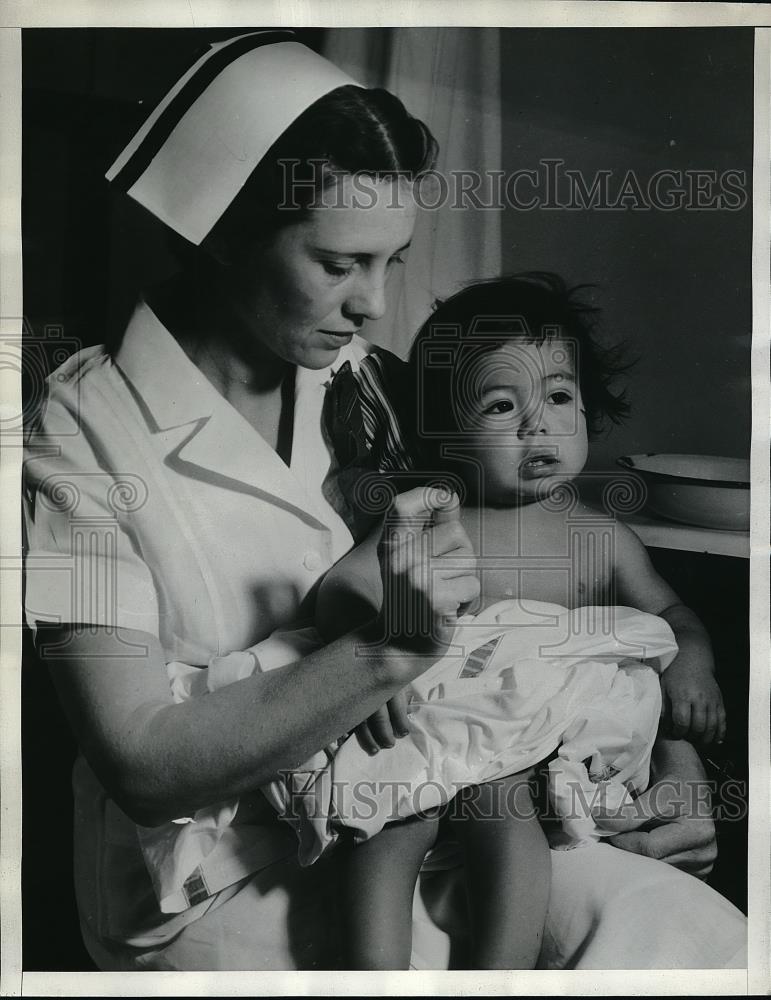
pixel 160 760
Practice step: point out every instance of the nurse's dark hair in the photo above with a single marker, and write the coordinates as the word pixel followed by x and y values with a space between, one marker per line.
pixel 351 130
pixel 531 307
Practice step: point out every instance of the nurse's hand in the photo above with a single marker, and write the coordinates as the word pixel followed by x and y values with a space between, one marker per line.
pixel 674 816
pixel 428 570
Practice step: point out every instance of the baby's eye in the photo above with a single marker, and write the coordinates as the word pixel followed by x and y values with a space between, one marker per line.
pixel 499 406
pixel 560 397
pixel 396 259
pixel 337 270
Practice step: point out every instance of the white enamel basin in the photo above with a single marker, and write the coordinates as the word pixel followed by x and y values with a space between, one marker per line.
pixel 709 491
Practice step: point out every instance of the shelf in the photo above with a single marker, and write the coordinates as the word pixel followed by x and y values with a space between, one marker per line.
pixel 660 534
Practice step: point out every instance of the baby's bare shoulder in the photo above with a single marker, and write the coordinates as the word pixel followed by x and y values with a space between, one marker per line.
pixel 590 511
pixel 593 516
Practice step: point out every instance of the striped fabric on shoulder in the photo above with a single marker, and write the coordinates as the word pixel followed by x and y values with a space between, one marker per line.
pixel 381 424
pixel 361 417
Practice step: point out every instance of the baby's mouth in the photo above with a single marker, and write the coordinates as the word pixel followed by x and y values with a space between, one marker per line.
pixel 538 465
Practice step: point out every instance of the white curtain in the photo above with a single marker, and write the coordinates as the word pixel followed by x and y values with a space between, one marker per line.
pixel 450 78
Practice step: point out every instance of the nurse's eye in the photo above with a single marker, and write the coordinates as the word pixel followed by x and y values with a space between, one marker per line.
pixel 337 270
pixel 560 397
pixel 396 259
pixel 499 406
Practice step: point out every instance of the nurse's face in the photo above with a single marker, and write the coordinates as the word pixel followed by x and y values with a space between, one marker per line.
pixel 305 294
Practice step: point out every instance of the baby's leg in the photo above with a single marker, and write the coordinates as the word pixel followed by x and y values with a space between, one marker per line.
pixel 508 872
pixel 381 877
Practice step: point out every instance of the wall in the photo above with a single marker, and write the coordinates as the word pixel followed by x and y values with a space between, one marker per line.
pixel 675 285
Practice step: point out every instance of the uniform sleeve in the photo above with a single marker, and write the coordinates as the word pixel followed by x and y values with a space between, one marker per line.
pixel 82 558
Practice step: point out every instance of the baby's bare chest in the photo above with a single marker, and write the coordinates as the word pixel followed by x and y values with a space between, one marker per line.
pixel 566 561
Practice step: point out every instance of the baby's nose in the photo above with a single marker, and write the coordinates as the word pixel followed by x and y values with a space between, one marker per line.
pixel 533 422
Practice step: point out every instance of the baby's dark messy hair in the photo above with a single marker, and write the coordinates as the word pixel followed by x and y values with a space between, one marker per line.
pixel 485 316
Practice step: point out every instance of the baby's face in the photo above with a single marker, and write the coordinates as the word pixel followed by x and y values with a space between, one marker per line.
pixel 526 422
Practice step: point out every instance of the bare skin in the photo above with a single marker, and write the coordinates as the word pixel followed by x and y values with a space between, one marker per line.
pixel 505 857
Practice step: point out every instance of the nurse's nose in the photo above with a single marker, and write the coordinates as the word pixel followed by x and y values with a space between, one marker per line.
pixel 367 299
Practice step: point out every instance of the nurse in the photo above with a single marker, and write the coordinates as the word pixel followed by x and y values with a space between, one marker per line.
pixel 182 506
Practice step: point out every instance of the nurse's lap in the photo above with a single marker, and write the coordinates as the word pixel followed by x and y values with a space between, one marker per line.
pixel 609 909
pixel 283 918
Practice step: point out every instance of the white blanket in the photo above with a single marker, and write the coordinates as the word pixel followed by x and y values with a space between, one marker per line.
pixel 521 680
pixel 524 679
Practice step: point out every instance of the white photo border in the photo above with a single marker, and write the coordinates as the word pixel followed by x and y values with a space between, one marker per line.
pixel 16 14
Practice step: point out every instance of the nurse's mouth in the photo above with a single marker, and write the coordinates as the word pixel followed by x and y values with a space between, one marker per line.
pixel 338 339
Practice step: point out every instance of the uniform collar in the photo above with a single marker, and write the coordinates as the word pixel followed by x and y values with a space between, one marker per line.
pixel 206 438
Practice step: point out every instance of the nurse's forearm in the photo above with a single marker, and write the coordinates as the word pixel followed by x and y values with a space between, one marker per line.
pixel 161 760
pixel 266 723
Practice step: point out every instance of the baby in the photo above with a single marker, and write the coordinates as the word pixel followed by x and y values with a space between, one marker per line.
pixel 508 383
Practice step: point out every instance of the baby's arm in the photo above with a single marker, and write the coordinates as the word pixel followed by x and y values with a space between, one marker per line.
pixel 351 593
pixel 692 703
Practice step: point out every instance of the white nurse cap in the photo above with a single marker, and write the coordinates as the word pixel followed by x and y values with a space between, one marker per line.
pixel 197 149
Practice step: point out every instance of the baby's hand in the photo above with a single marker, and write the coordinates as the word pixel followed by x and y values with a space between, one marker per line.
pixel 692 706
